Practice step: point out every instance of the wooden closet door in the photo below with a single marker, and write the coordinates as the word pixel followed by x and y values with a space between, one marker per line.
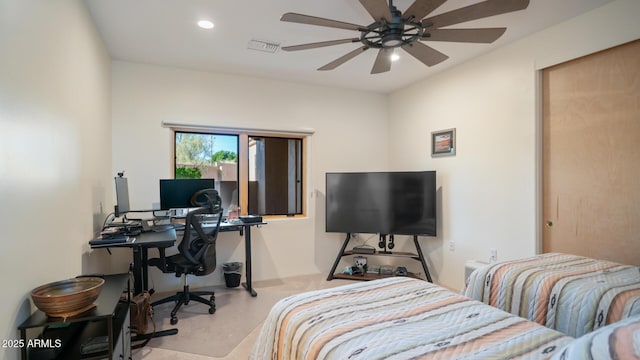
pixel 591 155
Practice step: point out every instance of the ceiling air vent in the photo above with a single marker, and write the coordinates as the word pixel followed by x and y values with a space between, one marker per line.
pixel 261 45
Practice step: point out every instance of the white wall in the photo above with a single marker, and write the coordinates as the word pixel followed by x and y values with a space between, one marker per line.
pixel 56 173
pixel 350 134
pixel 55 149
pixel 488 191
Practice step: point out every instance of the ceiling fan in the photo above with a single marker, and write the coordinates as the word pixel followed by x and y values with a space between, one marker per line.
pixel 392 28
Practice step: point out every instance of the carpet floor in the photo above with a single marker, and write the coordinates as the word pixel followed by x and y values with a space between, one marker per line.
pixel 229 333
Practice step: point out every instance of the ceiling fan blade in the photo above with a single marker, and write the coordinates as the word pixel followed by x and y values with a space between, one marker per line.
pixel 428 55
pixel 480 36
pixel 319 44
pixel 313 20
pixel 343 59
pixel 422 8
pixel 378 9
pixel 476 11
pixel 383 61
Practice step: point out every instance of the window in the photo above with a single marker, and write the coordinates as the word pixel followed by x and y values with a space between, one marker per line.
pixel 275 176
pixel 209 156
pixel 259 175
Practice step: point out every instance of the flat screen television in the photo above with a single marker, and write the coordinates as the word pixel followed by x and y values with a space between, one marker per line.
pixel 401 203
pixel 177 193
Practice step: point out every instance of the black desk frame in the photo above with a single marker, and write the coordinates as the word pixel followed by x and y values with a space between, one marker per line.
pixel 246 229
pixel 140 245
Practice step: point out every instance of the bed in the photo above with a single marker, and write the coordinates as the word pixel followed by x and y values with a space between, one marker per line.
pixel 620 341
pixel 572 294
pixel 398 318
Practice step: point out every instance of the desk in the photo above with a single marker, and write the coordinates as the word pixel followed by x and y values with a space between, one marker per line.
pixel 140 245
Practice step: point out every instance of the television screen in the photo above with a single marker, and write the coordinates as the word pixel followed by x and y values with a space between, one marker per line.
pixel 402 203
pixel 177 193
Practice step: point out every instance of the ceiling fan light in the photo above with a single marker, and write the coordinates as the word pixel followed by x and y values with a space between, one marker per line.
pixel 205 24
pixel 391 40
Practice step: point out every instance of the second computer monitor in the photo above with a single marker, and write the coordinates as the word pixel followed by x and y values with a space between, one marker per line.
pixel 122 196
pixel 177 193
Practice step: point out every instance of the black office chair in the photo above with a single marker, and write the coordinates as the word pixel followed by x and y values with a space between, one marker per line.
pixel 197 251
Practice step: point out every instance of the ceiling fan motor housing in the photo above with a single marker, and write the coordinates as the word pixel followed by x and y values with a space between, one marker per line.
pixel 391 34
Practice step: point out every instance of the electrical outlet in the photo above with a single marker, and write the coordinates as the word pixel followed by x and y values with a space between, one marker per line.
pixel 493 255
pixel 452 245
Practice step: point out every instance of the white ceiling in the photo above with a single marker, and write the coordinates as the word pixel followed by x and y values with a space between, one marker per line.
pixel 164 32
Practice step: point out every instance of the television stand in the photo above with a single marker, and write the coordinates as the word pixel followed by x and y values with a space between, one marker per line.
pixel 368 276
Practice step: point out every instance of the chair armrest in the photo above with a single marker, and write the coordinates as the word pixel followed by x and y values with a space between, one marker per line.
pixel 161 262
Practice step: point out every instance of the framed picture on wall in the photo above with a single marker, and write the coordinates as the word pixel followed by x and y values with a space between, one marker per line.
pixel 443 142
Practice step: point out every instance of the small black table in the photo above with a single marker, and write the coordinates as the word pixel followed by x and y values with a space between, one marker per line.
pixel 106 318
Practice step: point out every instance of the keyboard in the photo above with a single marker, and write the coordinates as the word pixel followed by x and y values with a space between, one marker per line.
pixel 178 226
pixel 128 223
pixel 162 227
pixel 112 239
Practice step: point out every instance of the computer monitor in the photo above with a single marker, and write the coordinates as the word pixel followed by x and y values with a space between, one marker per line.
pixel 177 193
pixel 122 196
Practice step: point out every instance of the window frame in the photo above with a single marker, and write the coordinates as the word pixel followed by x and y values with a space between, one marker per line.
pixel 243 162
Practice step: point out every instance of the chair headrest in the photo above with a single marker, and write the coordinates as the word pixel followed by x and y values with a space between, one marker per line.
pixel 208 198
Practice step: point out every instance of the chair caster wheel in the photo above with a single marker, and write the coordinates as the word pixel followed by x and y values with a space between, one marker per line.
pixel 174 320
pixel 212 310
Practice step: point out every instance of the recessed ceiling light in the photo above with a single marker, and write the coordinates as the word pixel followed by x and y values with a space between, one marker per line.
pixel 395 57
pixel 205 24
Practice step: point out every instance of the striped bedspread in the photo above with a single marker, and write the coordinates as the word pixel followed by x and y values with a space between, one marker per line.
pixel 568 293
pixel 620 341
pixel 398 318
